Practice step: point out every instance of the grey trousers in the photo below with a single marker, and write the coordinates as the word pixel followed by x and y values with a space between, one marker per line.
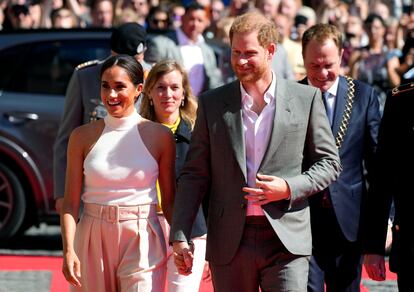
pixel 261 261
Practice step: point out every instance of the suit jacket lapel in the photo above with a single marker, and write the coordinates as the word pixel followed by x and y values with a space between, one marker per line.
pixel 232 116
pixel 340 104
pixel 280 120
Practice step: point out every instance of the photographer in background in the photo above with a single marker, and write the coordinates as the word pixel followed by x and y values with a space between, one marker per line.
pixel 406 68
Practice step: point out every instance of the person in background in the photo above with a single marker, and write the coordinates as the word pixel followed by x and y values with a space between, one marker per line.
pixel 355 38
pixel 140 7
pixel 268 7
pixel 20 17
pixel 395 152
pixel 292 48
pixel 102 14
pixel 113 166
pixel 126 15
pixel 168 100
pixel 158 19
pixel 82 10
pixel 82 103
pixel 177 12
pixel 217 12
pixel 370 64
pixel 338 211
pixel 63 18
pixel 188 46
pixel 406 67
pixel 1 19
pixel 260 146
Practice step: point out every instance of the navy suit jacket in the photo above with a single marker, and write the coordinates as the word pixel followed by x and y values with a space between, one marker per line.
pixel 348 193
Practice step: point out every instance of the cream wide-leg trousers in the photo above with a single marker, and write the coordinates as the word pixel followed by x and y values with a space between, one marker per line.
pixel 120 249
pixel 175 281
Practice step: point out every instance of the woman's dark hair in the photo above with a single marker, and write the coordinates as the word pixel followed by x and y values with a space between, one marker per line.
pixel 371 18
pixel 129 63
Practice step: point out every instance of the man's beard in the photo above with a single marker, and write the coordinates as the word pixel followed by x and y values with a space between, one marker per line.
pixel 251 76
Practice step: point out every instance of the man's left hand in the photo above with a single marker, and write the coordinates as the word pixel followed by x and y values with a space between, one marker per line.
pixel 268 189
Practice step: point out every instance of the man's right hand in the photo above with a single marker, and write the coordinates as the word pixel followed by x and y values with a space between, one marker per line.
pixel 375 266
pixel 183 257
pixel 58 205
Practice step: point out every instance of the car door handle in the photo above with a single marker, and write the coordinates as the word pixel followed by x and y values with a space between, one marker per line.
pixel 20 117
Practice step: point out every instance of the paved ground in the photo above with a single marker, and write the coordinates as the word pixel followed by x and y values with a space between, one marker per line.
pixel 45 241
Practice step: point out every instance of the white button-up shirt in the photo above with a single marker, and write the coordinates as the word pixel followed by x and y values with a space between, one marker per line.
pixel 257 130
pixel 193 60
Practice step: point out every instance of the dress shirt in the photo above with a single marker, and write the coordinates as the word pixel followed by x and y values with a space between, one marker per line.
pixel 192 60
pixel 257 130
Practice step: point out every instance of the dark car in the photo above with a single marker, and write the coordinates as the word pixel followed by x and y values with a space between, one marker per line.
pixel 35 67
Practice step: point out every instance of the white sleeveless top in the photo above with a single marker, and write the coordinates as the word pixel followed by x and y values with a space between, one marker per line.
pixel 119 169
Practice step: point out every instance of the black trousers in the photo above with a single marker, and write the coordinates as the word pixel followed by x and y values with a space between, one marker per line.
pixel 335 261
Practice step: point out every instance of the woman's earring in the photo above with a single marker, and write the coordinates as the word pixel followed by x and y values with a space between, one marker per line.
pixel 151 103
pixel 182 103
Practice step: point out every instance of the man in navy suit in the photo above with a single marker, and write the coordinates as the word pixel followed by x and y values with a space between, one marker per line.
pixel 337 212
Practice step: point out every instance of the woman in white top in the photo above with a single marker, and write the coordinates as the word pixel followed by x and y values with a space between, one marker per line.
pixel 113 166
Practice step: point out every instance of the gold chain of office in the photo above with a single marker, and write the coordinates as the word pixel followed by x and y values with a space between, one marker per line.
pixel 347 113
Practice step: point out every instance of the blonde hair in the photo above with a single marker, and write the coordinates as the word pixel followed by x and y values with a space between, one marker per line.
pixel 255 21
pixel 188 111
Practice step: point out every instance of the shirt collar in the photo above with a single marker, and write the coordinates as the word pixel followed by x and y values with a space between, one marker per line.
pixel 184 40
pixel 333 89
pixel 268 97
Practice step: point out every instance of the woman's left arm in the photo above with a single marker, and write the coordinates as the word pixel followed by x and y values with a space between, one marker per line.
pixel 166 177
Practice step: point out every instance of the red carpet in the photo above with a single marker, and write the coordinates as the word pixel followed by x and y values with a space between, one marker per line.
pixel 54 264
pixel 22 263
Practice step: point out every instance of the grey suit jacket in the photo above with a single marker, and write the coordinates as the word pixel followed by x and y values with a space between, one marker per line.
pixel 301 150
pixel 161 47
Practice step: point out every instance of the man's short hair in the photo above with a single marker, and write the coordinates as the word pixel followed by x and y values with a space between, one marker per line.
pixel 320 33
pixel 255 21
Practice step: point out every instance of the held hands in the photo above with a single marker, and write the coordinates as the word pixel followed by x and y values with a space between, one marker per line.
pixel 183 257
pixel 268 189
pixel 375 266
pixel 71 269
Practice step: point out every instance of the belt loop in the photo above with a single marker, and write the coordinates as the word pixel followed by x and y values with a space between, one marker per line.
pixel 113 214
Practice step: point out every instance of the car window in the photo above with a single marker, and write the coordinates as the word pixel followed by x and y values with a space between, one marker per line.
pixel 45 67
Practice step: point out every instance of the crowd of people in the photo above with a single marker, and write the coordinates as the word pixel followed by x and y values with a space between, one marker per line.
pixel 282 114
pixel 376 31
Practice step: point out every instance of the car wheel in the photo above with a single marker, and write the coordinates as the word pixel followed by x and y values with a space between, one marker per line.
pixel 12 202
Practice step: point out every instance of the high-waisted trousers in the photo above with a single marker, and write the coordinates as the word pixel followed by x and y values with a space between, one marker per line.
pixel 121 248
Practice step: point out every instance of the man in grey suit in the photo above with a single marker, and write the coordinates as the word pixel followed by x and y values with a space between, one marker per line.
pixel 187 46
pixel 83 98
pixel 261 145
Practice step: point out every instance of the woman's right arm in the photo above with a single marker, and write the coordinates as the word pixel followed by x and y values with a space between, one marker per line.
pixel 71 203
